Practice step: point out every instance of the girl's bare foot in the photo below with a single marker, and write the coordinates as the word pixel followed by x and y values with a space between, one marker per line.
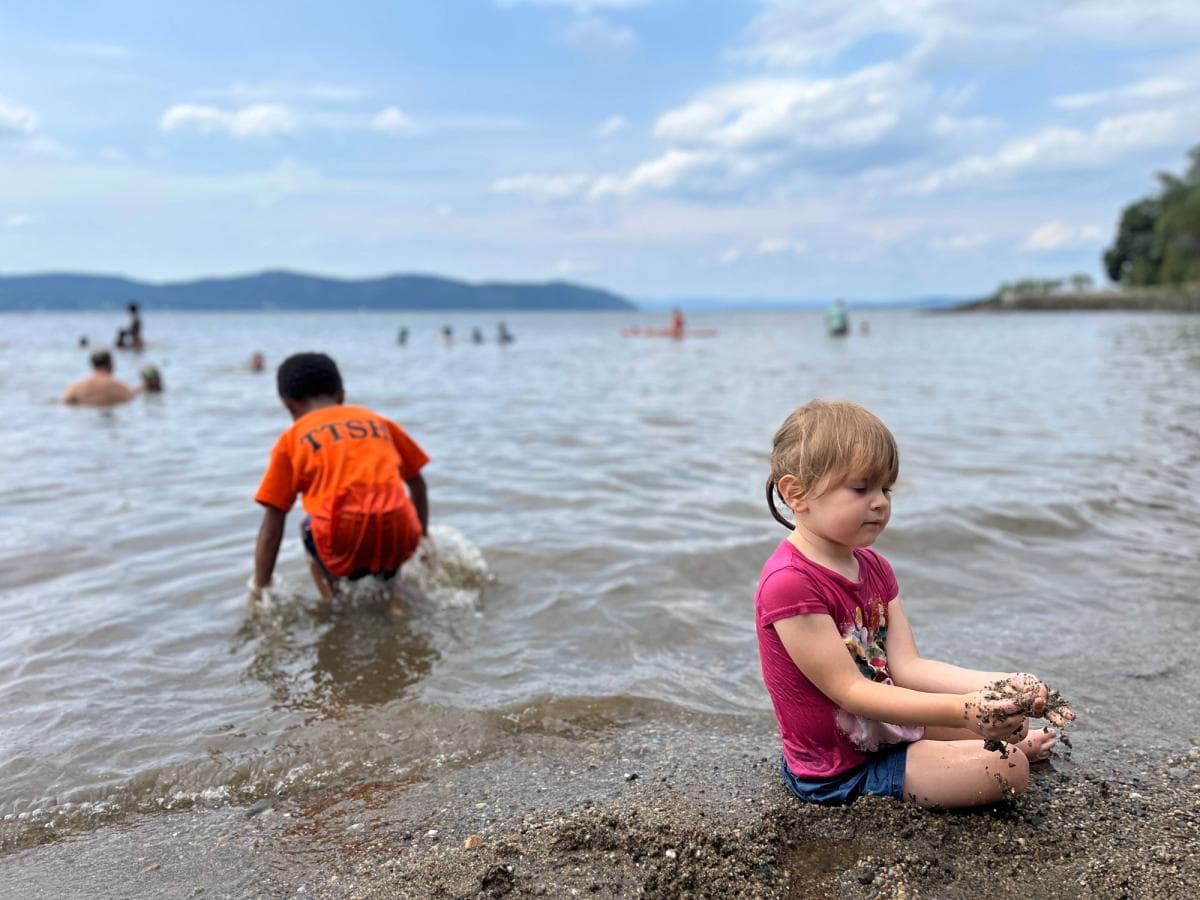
pixel 1037 744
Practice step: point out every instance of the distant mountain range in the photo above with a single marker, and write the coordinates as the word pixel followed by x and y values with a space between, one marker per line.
pixel 290 290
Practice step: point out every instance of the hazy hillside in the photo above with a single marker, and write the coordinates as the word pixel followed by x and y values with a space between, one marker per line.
pixel 288 290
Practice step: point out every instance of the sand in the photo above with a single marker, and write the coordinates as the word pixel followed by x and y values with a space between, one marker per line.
pixel 692 809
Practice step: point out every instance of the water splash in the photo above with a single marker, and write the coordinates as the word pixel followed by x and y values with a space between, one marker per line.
pixel 447 571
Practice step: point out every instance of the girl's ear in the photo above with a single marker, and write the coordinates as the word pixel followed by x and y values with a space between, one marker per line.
pixel 792 493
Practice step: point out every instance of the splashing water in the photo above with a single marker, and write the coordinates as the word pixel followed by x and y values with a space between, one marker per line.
pixel 447 571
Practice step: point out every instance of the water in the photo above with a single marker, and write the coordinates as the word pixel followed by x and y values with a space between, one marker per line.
pixel 1045 519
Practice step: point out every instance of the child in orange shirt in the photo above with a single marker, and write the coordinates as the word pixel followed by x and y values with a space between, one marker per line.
pixel 352 467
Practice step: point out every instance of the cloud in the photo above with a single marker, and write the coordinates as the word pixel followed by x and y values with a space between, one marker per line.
pixel 777 246
pixel 15 118
pixel 599 39
pixel 960 242
pixel 1150 89
pixel 611 126
pixel 813 114
pixel 393 121
pixel 542 187
pixel 785 33
pixel 658 174
pixel 1056 235
pixel 18 220
pixel 259 120
pixel 1057 147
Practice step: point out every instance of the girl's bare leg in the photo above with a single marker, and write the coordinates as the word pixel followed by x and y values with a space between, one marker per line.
pixel 949 774
pixel 1036 745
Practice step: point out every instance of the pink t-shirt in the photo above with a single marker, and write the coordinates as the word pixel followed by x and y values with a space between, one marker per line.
pixel 820 739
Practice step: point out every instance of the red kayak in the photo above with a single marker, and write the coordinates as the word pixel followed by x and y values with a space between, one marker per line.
pixel 667 332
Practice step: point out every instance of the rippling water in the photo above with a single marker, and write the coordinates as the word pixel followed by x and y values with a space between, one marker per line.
pixel 1046 518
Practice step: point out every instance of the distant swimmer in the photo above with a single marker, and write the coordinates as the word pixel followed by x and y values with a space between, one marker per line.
pixel 402 337
pixel 131 338
pixel 100 388
pixel 257 363
pixel 83 341
pixel 503 335
pixel 447 335
pixel 836 320
pixel 359 476
pixel 476 336
pixel 151 380
pixel 677 323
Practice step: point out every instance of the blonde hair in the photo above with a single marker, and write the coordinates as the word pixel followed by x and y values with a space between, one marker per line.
pixel 828 440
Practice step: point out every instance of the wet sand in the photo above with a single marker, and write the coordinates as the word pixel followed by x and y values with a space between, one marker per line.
pixel 650 810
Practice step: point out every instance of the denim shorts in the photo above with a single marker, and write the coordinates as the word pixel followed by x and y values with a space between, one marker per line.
pixel 881 774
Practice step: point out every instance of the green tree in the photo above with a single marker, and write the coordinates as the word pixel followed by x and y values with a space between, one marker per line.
pixel 1158 238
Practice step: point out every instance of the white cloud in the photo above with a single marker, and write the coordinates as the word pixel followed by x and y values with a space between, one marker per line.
pixel 611 126
pixel 658 174
pixel 595 36
pixel 730 256
pixel 18 220
pixel 964 126
pixel 566 267
pixel 1057 147
pixel 1150 89
pixel 1056 235
pixel 259 120
pixel 960 242
pixel 801 113
pixel 393 121
pixel 777 246
pixel 787 33
pixel 16 118
pixel 542 187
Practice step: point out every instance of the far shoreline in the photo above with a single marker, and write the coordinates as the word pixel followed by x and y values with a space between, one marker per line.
pixel 1145 299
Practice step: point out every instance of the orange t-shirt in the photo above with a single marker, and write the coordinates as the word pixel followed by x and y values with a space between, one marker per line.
pixel 350 465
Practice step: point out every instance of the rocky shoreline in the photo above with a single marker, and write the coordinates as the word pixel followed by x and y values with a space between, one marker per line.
pixel 650 810
pixel 1164 299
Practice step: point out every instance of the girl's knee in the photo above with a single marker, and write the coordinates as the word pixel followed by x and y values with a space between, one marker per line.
pixel 1013 773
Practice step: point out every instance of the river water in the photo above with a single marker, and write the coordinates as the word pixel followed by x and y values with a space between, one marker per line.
pixel 1045 519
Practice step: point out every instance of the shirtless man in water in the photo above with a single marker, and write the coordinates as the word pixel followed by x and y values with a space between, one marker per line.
pixel 99 388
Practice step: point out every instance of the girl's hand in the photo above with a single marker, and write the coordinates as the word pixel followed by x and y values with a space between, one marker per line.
pixel 1040 701
pixel 994 715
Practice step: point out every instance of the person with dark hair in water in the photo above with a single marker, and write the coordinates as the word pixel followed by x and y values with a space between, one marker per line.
pixel 360 477
pixel 100 388
pixel 151 380
pixel 131 337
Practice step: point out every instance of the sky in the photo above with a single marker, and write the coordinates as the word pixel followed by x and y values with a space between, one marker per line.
pixel 741 149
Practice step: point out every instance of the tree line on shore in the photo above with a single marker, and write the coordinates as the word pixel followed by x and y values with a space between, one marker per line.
pixel 1157 241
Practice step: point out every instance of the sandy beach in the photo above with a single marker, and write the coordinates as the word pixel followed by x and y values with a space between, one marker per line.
pixel 655 811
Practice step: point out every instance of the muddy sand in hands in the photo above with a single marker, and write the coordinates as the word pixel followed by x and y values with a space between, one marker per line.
pixel 693 808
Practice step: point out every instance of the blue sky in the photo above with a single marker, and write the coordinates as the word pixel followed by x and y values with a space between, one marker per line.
pixel 659 148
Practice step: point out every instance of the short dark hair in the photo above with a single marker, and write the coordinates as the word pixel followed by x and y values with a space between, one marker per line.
pixel 305 375
pixel 102 359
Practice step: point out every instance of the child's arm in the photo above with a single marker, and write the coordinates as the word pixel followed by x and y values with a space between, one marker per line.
pixel 420 499
pixel 910 670
pixel 814 645
pixel 266 550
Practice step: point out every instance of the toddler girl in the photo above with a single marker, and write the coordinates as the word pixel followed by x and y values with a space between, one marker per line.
pixel 859 710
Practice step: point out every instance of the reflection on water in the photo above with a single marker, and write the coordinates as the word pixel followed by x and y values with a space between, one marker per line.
pixel 604 531
pixel 330 661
